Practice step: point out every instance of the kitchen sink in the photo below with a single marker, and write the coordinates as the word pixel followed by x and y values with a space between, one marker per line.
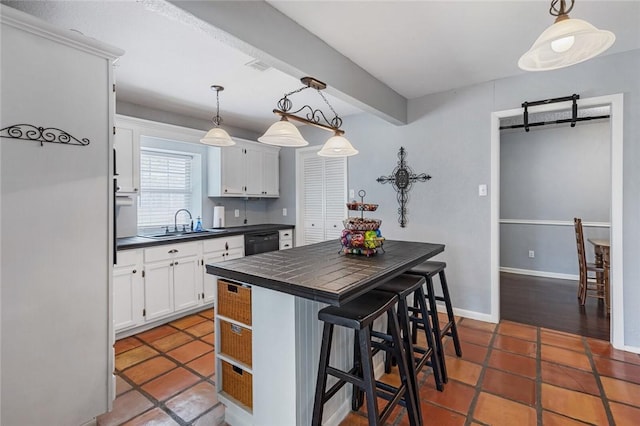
pixel 178 234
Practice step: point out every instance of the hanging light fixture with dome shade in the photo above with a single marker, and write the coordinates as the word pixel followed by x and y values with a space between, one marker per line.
pixel 566 42
pixel 217 136
pixel 283 133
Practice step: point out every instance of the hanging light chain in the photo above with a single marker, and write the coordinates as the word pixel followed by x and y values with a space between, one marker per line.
pixel 285 104
pixel 555 11
pixel 336 121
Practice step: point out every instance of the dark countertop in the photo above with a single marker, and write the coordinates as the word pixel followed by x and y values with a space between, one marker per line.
pixel 128 243
pixel 321 272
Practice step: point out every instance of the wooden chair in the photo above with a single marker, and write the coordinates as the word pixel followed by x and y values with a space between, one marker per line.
pixel 592 278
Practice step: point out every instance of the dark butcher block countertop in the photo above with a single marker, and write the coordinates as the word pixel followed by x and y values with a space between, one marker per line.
pixel 321 272
pixel 139 241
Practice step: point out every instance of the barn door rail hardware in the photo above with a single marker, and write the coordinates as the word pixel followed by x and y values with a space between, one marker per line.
pixel 30 132
pixel 573 120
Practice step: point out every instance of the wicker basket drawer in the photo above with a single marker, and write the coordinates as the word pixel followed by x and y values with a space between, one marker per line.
pixel 234 301
pixel 235 341
pixel 237 383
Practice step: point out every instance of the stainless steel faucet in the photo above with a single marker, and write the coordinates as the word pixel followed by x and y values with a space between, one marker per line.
pixel 175 220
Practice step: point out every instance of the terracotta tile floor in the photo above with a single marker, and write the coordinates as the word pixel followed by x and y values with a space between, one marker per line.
pixel 514 374
pixel 509 374
pixel 166 376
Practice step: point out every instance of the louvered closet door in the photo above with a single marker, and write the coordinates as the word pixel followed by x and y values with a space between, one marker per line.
pixel 312 198
pixel 335 195
pixel 323 197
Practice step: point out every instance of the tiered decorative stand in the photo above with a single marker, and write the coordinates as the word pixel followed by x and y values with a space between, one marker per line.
pixel 361 235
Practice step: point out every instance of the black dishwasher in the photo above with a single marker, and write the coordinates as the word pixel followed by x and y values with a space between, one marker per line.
pixel 261 242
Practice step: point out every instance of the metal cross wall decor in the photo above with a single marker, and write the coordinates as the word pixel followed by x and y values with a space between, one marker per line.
pixel 402 178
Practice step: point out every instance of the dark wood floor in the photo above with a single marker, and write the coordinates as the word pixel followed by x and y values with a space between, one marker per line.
pixel 551 303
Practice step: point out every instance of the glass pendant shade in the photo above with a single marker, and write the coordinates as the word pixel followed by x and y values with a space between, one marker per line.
pixel 217 137
pixel 566 42
pixel 283 133
pixel 337 146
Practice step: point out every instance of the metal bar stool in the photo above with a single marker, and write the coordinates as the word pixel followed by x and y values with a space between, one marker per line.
pixel 359 315
pixel 428 270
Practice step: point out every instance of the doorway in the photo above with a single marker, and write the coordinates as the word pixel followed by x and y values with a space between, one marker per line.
pixel 548 176
pixel 615 103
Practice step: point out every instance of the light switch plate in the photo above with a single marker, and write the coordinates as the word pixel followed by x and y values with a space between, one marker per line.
pixel 236 213
pixel 284 211
pixel 352 194
pixel 482 190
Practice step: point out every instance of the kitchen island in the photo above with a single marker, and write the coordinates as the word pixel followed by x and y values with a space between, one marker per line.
pixel 287 289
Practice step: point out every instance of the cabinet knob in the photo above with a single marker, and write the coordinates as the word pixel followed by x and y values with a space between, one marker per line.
pixel 134 271
pixel 175 263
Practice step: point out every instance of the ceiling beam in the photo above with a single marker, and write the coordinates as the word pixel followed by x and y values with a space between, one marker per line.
pixel 263 32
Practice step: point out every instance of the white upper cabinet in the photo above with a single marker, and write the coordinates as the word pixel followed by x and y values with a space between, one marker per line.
pixel 126 143
pixel 247 169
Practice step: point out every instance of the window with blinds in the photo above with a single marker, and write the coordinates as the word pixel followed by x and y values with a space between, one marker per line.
pixel 165 187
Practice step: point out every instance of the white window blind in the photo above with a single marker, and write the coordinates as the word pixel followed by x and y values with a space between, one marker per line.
pixel 165 187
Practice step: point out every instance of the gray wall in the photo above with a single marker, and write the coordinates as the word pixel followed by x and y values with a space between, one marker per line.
pixel 553 173
pixel 449 137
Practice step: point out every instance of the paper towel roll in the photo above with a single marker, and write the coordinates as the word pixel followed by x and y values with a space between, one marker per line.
pixel 218 217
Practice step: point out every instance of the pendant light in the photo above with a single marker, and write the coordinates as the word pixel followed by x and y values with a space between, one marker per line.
pixel 566 42
pixel 284 133
pixel 217 136
pixel 337 146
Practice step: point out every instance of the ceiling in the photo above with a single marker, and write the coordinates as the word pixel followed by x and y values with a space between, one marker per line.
pixel 412 47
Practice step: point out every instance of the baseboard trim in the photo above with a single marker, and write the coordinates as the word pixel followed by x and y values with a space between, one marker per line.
pixel 340 414
pixel 634 349
pixel 160 321
pixel 542 274
pixel 479 316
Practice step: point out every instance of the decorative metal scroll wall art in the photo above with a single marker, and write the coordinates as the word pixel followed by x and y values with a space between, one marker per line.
pixel 29 132
pixel 402 179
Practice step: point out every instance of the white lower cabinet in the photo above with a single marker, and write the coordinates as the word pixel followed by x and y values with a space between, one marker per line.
pixel 128 290
pixel 172 278
pixel 157 282
pixel 187 283
pixel 285 239
pixel 218 250
pixel 158 291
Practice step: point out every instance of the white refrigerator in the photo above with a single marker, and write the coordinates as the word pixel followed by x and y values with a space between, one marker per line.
pixel 56 224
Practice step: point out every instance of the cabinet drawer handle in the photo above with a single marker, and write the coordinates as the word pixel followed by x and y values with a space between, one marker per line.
pixel 237 370
pixel 232 288
pixel 173 251
pixel 236 329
